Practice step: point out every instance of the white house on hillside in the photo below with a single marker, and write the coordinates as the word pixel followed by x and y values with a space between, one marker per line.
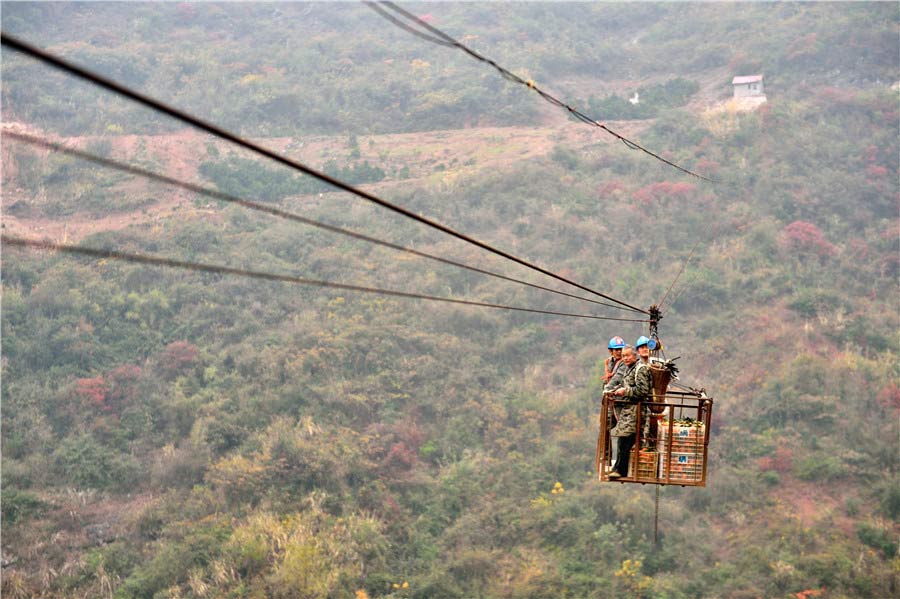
pixel 747 86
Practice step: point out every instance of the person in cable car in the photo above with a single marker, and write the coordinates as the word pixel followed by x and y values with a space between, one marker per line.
pixel 616 344
pixel 637 387
pixel 623 367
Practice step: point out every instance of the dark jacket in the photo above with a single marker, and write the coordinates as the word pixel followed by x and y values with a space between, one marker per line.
pixel 638 387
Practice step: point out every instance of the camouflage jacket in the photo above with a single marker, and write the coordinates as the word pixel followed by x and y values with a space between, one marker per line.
pixel 638 387
pixel 618 376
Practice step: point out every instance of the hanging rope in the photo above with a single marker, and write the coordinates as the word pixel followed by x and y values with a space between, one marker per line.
pixel 656 519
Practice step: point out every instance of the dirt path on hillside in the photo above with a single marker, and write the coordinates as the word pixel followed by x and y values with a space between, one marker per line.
pixel 428 157
pixel 175 155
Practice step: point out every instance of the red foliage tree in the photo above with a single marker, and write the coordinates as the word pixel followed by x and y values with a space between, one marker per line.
pixel 801 236
pixel 92 390
pixel 657 192
pixel 122 386
pixel 610 188
pixel 871 153
pixel 781 461
pixel 400 457
pixel 177 357
pixel 889 397
pixel 706 166
pixel 396 446
pixel 875 171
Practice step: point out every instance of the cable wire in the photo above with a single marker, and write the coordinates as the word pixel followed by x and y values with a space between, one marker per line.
pixel 683 266
pixel 446 40
pixel 134 170
pixel 406 27
pixel 99 80
pixel 681 289
pixel 227 270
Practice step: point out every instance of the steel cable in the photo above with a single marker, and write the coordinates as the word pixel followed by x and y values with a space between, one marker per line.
pixel 683 266
pixel 127 92
pixel 446 40
pixel 134 170
pixel 9 240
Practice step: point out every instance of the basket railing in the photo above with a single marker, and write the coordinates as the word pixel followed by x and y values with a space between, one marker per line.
pixel 673 451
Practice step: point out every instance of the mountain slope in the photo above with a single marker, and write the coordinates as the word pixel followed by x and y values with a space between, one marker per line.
pixel 170 433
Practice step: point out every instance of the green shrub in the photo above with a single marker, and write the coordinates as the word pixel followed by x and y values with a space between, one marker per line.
pixel 651 100
pixel 878 538
pixel 354 173
pixel 820 468
pixel 252 180
pixel 174 559
pixel 771 478
pixel 86 464
pixel 565 157
pixel 890 499
pixel 810 302
pixel 117 559
pixel 17 505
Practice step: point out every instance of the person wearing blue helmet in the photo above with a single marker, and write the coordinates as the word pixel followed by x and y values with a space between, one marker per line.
pixel 616 345
pixel 622 368
pixel 637 388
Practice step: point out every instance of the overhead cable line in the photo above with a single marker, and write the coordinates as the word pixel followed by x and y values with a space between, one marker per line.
pixel 253 274
pixel 681 289
pixel 675 280
pixel 218 195
pixel 99 80
pixel 445 40
pixel 404 26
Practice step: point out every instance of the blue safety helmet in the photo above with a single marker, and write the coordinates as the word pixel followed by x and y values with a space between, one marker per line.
pixel 642 341
pixel 616 343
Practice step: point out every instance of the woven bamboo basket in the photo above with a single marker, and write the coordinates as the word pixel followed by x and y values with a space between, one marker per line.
pixel 660 377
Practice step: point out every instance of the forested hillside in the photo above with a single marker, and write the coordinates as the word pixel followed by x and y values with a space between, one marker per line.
pixel 169 433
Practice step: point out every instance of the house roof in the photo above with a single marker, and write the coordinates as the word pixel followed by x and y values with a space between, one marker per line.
pixel 747 79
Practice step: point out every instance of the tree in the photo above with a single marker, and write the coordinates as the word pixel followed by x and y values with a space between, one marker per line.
pixel 176 358
pixel 807 239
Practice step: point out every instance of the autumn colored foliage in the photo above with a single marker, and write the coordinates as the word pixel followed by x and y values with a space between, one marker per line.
pixel 174 433
pixel 807 238
pixel 176 357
